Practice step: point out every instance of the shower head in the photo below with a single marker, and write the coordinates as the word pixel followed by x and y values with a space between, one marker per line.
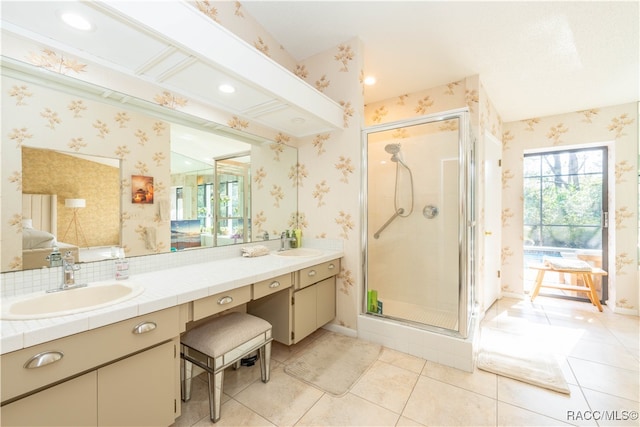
pixel 392 148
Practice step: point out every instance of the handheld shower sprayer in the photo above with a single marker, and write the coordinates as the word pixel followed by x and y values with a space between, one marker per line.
pixel 396 156
pixel 394 150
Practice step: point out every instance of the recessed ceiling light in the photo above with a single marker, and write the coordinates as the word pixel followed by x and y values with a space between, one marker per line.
pixel 76 21
pixel 369 80
pixel 226 88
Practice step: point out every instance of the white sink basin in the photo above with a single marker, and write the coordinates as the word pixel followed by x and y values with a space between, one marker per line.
pixel 301 252
pixel 42 304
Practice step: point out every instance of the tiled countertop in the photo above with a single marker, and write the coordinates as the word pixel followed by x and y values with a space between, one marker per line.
pixel 162 289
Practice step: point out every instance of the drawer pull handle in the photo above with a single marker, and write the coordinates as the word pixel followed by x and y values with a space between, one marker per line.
pixel 312 273
pixel 274 284
pixel 331 266
pixel 225 300
pixel 43 359
pixel 144 327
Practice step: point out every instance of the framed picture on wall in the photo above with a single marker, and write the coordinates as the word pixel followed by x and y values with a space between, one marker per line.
pixel 141 189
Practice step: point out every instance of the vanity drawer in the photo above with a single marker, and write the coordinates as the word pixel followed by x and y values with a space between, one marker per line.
pixel 310 275
pixel 269 286
pixel 205 307
pixel 56 360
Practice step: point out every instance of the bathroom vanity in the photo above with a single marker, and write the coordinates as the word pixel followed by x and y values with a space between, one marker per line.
pixel 127 372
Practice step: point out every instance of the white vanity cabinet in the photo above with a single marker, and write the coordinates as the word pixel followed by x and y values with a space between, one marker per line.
pixel 301 309
pixel 122 374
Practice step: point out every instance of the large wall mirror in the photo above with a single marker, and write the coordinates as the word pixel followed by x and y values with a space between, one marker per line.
pixel 204 185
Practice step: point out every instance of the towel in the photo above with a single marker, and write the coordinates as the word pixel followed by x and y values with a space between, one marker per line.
pixel 164 209
pixel 254 251
pixel 150 238
pixel 567 264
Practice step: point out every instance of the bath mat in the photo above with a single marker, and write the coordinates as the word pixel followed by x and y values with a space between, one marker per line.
pixel 333 362
pixel 517 357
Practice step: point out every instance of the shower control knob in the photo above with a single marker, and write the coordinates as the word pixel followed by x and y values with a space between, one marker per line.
pixel 430 211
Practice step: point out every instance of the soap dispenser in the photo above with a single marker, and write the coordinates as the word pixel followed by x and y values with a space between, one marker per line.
pixel 55 257
pixel 122 266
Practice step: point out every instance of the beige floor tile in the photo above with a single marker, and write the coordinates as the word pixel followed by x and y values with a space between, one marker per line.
pixel 608 354
pixel 587 329
pixel 612 410
pixel 348 410
pixel 436 403
pixel 237 380
pixel 233 414
pixel 542 401
pixel 479 381
pixel 607 379
pixel 406 422
pixel 282 401
pixel 512 416
pixel 386 385
pixel 569 377
pixel 198 406
pixel 402 360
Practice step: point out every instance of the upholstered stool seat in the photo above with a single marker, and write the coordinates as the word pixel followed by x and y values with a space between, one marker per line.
pixel 222 342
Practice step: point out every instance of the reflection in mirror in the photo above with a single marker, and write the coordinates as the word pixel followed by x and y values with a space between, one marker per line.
pixel 244 186
pixel 83 218
pixel 233 198
pixel 210 189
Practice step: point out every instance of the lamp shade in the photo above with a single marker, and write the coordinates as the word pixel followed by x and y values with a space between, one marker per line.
pixel 75 203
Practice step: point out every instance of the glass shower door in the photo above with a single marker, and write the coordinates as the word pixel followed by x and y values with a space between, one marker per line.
pixel 416 223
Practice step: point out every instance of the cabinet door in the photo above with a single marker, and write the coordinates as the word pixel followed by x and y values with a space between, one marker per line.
pixel 275 309
pixel 326 301
pixel 72 403
pixel 304 313
pixel 139 390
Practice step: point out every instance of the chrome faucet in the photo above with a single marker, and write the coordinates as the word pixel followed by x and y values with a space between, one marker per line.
pixel 265 236
pixel 69 268
pixel 285 241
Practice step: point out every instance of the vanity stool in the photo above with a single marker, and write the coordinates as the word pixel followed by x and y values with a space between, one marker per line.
pixel 222 342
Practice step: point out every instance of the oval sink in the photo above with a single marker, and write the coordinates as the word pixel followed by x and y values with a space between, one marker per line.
pixel 302 252
pixel 92 297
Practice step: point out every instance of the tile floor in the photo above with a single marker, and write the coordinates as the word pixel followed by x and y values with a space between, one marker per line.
pixel 602 369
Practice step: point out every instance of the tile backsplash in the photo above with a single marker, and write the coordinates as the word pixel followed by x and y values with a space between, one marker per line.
pixel 27 281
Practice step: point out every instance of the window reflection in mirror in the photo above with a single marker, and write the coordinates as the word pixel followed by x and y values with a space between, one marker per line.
pixel 210 190
pixel 233 219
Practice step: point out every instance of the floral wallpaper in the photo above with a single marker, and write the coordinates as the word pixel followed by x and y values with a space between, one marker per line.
pixel 42 118
pixel 617 128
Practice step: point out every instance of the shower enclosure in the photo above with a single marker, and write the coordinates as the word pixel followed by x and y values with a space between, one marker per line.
pixel 419 222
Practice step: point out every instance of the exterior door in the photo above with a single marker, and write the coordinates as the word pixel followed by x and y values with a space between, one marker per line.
pixel 566 210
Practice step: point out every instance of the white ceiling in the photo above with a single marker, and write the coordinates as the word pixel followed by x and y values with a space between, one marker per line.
pixel 534 58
